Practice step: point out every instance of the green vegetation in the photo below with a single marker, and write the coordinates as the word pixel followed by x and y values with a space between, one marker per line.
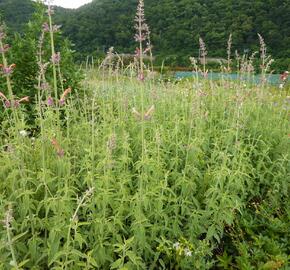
pixel 207 164
pixel 175 26
pixel 125 169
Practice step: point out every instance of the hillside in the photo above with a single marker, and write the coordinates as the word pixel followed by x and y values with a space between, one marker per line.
pixel 175 25
pixel 16 13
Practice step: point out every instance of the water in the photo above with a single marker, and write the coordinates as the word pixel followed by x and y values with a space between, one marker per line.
pixel 272 78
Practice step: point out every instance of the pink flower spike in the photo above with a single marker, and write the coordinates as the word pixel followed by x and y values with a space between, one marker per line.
pixel 5 48
pixel 16 104
pixel 60 152
pixel 55 59
pixel 141 77
pixel 45 27
pixel 8 70
pixel 50 101
pixel 7 104
pixel 63 96
pixel 61 102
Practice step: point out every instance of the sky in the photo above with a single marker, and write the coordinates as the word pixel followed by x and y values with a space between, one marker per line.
pixel 70 3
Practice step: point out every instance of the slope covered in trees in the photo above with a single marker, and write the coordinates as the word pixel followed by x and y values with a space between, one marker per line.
pixel 176 26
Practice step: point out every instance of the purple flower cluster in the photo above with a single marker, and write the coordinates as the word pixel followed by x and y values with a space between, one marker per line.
pixel 46 28
pixel 55 59
pixel 7 70
pixel 13 103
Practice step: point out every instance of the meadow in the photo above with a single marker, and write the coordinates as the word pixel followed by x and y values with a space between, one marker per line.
pixel 148 176
pixel 132 171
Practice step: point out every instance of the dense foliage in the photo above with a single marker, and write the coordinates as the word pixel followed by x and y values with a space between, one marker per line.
pixel 177 25
pixel 138 172
pixel 24 52
pixel 197 181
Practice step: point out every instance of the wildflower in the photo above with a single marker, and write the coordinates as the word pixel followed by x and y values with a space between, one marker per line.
pixel 44 86
pixel 187 252
pixel 50 101
pixel 176 245
pixel 140 37
pixel 8 70
pixel 149 113
pixel 55 59
pixel 16 104
pixel 3 96
pixel 63 96
pixel 45 27
pixel 284 76
pixel 5 48
pixel 8 218
pixel 23 133
pixel 7 103
pixel 111 143
pixel 141 76
pixel 24 99
pixel 50 10
pixel 2 33
pixel 148 49
pixel 89 192
pixel 202 48
pixel 204 74
pixel 136 113
pixel 59 150
pixel 55 28
pixel 137 52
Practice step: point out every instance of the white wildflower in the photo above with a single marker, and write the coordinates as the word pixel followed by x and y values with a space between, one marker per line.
pixel 23 133
pixel 176 245
pixel 187 252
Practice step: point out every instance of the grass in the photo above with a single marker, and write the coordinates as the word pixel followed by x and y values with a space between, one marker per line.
pixel 108 181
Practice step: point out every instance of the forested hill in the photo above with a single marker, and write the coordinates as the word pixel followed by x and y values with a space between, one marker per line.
pixel 15 13
pixel 175 25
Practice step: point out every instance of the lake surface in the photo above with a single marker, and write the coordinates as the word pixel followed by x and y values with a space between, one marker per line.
pixel 272 78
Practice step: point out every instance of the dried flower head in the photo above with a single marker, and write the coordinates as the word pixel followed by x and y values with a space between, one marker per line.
pixel 63 96
pixel 24 99
pixel 136 113
pixel 148 115
pixel 59 151
pixel 8 218
pixel 111 143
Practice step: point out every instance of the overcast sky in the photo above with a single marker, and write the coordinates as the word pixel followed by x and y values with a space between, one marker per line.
pixel 70 3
